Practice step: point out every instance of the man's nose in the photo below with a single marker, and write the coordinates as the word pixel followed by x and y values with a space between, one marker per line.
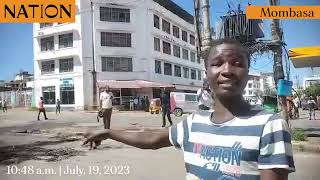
pixel 227 69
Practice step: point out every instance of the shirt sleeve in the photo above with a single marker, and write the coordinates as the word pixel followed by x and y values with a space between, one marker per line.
pixel 275 146
pixel 176 134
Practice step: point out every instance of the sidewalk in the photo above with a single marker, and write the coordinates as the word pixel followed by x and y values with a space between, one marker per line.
pixel 311 129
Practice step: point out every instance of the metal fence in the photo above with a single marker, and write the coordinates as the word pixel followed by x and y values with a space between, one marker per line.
pixel 17 98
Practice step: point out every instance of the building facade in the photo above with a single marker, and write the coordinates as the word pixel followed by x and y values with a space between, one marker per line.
pixel 135 48
pixel 259 84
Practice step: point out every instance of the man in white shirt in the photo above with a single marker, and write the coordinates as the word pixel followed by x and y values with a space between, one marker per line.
pixel 205 101
pixel 106 106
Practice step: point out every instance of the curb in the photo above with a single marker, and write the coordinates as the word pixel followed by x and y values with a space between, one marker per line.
pixel 305 147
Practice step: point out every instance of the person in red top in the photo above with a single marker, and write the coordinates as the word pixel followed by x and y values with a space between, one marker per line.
pixel 42 109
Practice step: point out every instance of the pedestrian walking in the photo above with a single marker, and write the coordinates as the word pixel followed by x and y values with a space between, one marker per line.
pixel 147 104
pixel 236 141
pixel 165 106
pixel 204 98
pixel 131 104
pixel 311 106
pixel 0 104
pixel 58 107
pixel 106 106
pixel 4 106
pixel 135 103
pixel 296 107
pixel 143 103
pixel 42 109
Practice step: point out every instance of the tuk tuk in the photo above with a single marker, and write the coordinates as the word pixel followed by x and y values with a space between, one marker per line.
pixel 155 106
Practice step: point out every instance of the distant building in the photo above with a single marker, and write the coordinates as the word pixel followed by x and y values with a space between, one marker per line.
pixel 259 83
pixel 20 81
pixel 24 76
pixel 308 81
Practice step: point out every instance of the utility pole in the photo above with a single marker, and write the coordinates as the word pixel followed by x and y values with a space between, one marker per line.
pixel 197 24
pixel 206 38
pixel 276 33
pixel 94 73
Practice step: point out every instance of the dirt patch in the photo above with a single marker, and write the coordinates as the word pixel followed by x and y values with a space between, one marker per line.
pixel 36 151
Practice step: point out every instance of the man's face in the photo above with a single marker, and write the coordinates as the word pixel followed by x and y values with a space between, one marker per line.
pixel 227 70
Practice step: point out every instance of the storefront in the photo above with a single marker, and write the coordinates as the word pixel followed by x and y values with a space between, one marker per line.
pixel 124 91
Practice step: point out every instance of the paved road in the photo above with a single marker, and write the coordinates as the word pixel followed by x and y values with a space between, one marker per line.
pixel 47 153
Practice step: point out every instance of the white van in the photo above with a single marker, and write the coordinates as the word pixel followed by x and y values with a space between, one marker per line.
pixel 183 103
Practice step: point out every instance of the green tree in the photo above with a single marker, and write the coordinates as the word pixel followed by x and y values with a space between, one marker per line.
pixel 313 90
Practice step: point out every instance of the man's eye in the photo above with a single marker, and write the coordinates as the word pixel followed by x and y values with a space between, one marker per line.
pixel 238 64
pixel 218 64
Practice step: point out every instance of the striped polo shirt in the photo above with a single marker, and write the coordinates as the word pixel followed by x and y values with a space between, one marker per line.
pixel 234 150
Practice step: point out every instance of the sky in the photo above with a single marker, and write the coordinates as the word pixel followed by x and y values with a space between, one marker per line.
pixel 16 41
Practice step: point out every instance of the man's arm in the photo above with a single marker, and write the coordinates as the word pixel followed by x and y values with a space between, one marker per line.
pixel 274 174
pixel 144 139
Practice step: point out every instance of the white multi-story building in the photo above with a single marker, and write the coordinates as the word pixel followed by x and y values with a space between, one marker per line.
pixel 136 48
pixel 259 83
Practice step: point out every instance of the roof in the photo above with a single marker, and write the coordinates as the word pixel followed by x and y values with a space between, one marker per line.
pixel 176 9
pixel 135 84
pixel 305 56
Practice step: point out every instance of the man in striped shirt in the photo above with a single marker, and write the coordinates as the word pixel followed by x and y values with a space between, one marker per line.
pixel 235 141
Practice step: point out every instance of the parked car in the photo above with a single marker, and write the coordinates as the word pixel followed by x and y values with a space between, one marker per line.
pixel 183 103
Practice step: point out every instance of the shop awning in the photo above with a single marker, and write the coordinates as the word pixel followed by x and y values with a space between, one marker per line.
pixel 305 56
pixel 135 84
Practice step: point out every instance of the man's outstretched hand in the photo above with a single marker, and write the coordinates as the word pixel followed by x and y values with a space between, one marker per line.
pixel 94 139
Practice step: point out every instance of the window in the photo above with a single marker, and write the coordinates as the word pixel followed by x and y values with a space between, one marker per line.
pixel 43 25
pixel 192 39
pixel 114 14
pixel 185 72
pixel 176 32
pixel 66 65
pixel 177 71
pixel 184 36
pixel 156 21
pixel 47 43
pixel 157 67
pixel 156 44
pixel 198 60
pixel 249 85
pixel 176 51
pixel 250 92
pixel 116 64
pixel 67 95
pixel 185 54
pixel 193 74
pixel 165 26
pixel 49 95
pixel 192 56
pixel 47 67
pixel 66 40
pixel 199 75
pixel 166 47
pixel 115 39
pixel 167 69
pixel 189 97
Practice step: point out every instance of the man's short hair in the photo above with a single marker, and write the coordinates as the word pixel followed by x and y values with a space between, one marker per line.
pixel 218 42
